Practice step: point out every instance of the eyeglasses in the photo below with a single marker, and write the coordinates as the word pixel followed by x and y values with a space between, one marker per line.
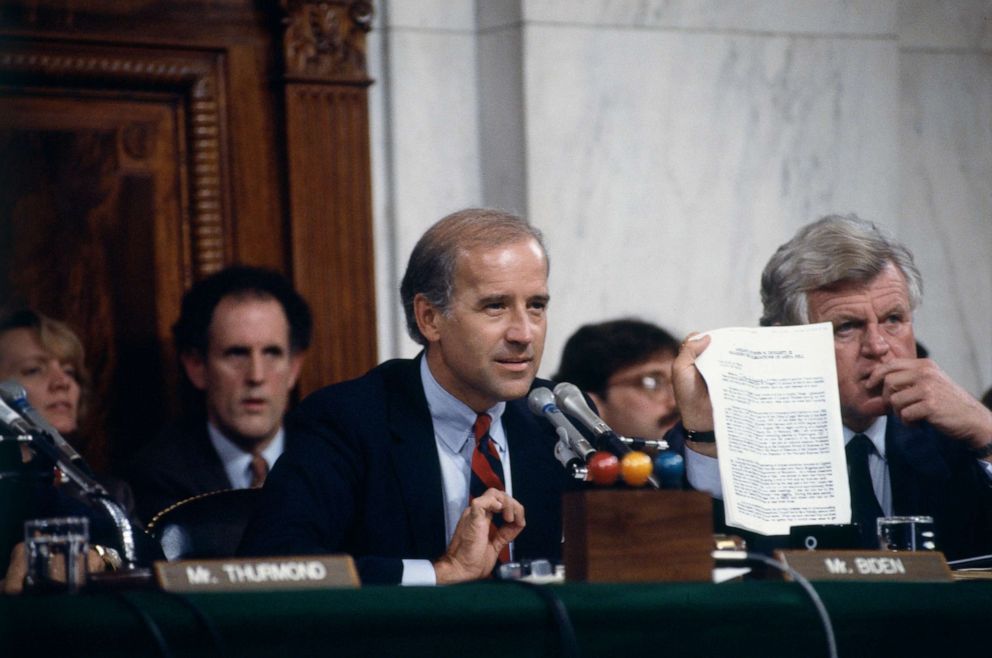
pixel 652 382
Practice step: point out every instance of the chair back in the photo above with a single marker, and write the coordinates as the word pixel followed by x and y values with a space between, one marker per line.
pixel 206 526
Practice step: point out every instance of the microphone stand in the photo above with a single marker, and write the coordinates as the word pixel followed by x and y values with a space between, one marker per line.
pixel 571 460
pixel 92 490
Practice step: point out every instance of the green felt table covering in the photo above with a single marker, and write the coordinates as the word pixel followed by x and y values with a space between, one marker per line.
pixel 503 619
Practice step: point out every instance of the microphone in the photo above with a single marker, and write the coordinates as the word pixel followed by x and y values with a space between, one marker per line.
pixel 14 394
pixel 12 419
pixel 641 444
pixel 570 399
pixel 541 402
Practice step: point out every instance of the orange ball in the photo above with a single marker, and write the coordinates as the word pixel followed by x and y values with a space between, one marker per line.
pixel 636 468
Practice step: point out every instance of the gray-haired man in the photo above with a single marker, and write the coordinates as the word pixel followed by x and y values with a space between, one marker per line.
pixel 927 442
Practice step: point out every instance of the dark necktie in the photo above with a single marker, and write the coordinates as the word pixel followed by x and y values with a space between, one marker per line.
pixel 259 469
pixel 487 470
pixel 864 505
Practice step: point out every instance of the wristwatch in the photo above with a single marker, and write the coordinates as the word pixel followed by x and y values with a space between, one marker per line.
pixel 705 436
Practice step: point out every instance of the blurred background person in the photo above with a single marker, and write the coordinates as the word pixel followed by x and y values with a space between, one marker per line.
pixel 625 366
pixel 240 337
pixel 47 358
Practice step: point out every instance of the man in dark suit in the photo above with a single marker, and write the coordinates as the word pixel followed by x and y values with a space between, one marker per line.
pixel 387 467
pixel 240 337
pixel 926 442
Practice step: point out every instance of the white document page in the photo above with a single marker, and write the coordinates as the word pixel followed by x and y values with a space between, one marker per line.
pixel 776 414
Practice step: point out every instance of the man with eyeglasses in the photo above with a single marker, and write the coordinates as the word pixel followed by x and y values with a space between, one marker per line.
pixel 625 366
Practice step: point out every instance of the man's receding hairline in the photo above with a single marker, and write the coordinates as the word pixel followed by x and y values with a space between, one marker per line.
pixel 463 250
pixel 244 296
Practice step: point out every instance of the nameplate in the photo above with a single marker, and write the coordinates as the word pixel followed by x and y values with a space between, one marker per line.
pixel 257 574
pixel 889 566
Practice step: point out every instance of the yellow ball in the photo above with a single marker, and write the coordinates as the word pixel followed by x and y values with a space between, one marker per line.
pixel 635 468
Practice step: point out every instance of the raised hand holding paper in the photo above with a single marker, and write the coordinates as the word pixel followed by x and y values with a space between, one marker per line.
pixel 776 415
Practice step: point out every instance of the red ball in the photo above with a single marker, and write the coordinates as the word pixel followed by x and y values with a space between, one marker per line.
pixel 604 468
pixel 636 468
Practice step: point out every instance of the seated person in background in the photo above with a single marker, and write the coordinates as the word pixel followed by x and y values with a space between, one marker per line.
pixel 422 469
pixel 46 357
pixel 925 442
pixel 625 366
pixel 987 398
pixel 240 338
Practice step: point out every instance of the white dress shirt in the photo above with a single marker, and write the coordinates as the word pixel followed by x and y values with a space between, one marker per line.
pixel 452 420
pixel 237 462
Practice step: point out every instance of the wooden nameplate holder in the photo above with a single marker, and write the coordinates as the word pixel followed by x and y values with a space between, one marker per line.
pixel 637 535
pixel 872 566
pixel 239 574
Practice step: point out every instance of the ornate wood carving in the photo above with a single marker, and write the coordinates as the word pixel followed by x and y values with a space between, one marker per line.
pixel 330 181
pixel 195 78
pixel 279 178
pixel 129 144
pixel 325 40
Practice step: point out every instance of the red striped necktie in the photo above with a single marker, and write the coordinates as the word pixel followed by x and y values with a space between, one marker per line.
pixel 487 470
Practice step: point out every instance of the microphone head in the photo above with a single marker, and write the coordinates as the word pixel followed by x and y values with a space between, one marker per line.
pixel 14 394
pixel 538 399
pixel 566 391
pixel 669 467
pixel 12 391
pixel 10 419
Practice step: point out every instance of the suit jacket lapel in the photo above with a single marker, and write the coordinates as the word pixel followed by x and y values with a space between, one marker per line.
pixel 528 471
pixel 415 460
pixel 207 462
pixel 912 461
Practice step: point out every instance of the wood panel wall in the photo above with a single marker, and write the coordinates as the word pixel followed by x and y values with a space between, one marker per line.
pixel 144 145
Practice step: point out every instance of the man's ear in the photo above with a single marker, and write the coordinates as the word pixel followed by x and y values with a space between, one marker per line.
pixel 428 318
pixel 196 369
pixel 295 363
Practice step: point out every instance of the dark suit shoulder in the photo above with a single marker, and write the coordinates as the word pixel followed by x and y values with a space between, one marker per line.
pixel 361 392
pixel 171 436
pixel 178 463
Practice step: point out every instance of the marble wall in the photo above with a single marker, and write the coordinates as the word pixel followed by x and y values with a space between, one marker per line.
pixel 666 148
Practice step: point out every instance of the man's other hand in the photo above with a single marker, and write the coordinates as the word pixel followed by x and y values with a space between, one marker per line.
pixel 918 390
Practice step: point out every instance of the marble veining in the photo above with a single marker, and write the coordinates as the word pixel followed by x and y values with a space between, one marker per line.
pixel 666 148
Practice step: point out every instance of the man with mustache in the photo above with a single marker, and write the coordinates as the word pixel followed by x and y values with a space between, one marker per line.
pixel 928 443
pixel 240 337
pixel 625 366
pixel 396 467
